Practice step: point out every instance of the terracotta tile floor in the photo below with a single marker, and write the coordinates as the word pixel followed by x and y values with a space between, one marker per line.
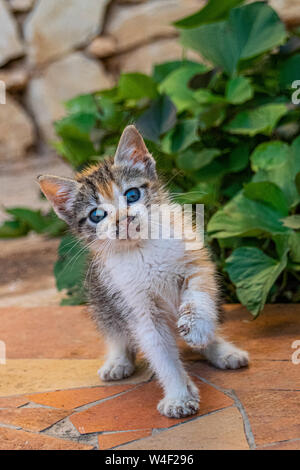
pixel 51 397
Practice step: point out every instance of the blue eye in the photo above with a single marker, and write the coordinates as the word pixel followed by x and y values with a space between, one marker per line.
pixel 96 215
pixel 132 195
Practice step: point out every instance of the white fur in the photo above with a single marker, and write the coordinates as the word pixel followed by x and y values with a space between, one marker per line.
pixel 197 318
pixel 225 355
pixel 119 363
pixel 145 276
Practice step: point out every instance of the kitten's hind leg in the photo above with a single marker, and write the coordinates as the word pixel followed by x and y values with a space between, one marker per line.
pixel 225 355
pixel 120 360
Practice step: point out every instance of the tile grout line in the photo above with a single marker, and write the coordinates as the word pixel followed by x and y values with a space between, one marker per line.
pixel 272 444
pixel 81 408
pixel 156 431
pixel 88 437
pixel 83 437
pixel 247 426
pixel 231 394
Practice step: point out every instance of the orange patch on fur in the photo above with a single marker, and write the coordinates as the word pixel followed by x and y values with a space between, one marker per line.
pixel 106 190
pixel 88 171
pixel 203 278
pixel 51 191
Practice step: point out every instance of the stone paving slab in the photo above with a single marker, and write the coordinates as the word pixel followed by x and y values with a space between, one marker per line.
pixel 138 408
pixel 47 332
pixel 28 376
pixel 24 376
pixel 32 419
pixel 269 337
pixel 222 430
pixel 274 415
pixel 289 445
pixel 52 398
pixel 26 276
pixel 278 375
pixel 13 402
pixel 77 397
pixel 111 440
pixel 11 439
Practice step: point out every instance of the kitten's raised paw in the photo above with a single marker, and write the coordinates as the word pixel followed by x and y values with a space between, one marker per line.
pixel 178 408
pixel 117 370
pixel 194 327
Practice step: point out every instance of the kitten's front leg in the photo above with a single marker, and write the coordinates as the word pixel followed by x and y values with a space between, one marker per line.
pixel 198 313
pixel 197 318
pixel 159 346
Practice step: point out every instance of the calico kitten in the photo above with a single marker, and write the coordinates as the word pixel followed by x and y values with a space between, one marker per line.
pixel 142 290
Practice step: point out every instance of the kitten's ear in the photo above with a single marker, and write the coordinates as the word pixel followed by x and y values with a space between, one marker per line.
pixel 133 152
pixel 61 192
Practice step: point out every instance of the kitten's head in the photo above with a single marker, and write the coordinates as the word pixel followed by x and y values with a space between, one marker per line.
pixel 109 204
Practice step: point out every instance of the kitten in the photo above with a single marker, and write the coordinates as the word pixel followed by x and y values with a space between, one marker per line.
pixel 140 288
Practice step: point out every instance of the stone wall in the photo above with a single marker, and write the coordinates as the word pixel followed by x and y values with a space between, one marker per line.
pixel 52 50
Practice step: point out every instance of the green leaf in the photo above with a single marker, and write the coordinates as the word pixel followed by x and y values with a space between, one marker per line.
pixel 111 115
pixel 13 229
pixel 75 132
pixel 269 155
pixel 284 175
pixel 294 246
pixel 82 104
pixel 289 71
pixel 250 31
pixel 253 273
pixel 77 125
pixel 238 158
pixel 76 297
pixel 204 96
pixel 239 90
pixel 70 268
pixel 176 83
pixel 293 221
pixel 215 42
pixel 161 71
pixel 259 29
pixel 35 220
pixel 159 118
pixel 181 137
pixel 218 168
pixel 281 243
pixel 136 86
pixel 211 116
pixel 204 193
pixel 243 217
pixel 297 182
pixel 195 159
pixel 268 193
pixel 261 120
pixel 212 11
